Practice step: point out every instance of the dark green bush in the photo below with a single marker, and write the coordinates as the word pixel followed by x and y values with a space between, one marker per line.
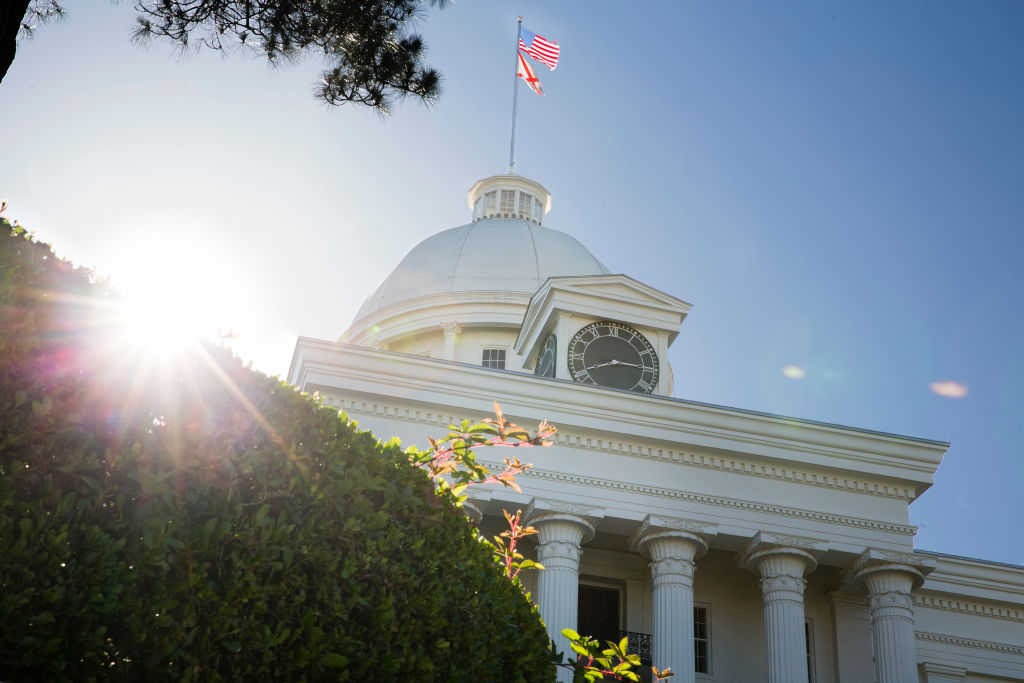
pixel 201 521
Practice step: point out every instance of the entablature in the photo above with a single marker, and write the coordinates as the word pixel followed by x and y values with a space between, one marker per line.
pixel 811 452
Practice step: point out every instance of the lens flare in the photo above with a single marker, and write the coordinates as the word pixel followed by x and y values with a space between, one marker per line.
pixel 794 372
pixel 949 389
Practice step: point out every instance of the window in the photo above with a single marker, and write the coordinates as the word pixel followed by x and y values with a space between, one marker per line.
pixel 809 639
pixel 476 209
pixel 701 640
pixel 526 206
pixel 494 358
pixel 490 203
pixel 508 202
pixel 538 212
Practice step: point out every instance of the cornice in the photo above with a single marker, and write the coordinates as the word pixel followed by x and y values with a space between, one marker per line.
pixel 347 369
pixel 636 448
pixel 975 579
pixel 721 501
pixel 926 601
pixel 991 646
pixel 413 316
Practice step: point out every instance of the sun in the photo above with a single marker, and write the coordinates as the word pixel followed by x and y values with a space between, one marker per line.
pixel 160 320
pixel 173 294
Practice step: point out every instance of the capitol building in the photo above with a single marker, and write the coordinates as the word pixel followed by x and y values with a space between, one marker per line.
pixel 728 544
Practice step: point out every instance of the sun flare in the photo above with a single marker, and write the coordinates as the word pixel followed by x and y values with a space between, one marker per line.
pixel 173 294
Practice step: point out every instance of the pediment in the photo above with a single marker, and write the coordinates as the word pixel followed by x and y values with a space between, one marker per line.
pixel 617 287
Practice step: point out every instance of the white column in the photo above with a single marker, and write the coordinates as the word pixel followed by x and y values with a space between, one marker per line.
pixel 890 578
pixel 672 552
pixel 781 562
pixel 451 330
pixel 559 537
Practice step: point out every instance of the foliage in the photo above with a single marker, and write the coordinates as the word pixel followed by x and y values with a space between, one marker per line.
pixel 371 58
pixel 451 462
pixel 197 520
pixel 595 663
pixel 505 552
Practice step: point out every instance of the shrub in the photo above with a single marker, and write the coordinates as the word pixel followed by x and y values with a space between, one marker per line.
pixel 201 521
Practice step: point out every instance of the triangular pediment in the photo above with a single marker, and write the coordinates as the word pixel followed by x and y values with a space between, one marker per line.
pixel 616 286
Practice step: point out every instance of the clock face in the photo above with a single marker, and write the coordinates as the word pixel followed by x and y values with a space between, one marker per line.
pixel 546 358
pixel 614 355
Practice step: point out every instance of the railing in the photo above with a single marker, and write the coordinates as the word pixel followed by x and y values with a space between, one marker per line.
pixel 639 644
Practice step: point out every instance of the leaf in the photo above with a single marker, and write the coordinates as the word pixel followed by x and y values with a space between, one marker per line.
pixel 333 660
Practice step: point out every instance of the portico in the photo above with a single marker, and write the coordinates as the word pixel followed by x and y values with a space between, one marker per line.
pixel 778 565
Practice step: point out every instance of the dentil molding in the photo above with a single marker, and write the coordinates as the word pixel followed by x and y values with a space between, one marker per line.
pixel 734 503
pixel 989 645
pixel 968 607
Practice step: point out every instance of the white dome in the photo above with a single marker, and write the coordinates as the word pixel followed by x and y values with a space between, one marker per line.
pixel 489 255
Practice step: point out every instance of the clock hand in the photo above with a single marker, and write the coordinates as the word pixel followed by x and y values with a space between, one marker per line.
pixel 614 361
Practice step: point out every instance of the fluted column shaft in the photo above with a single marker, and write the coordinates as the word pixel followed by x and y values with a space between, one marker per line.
pixel 782 569
pixel 892 623
pixel 559 537
pixel 672 566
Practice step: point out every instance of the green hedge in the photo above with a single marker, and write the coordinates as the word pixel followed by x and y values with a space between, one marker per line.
pixel 201 521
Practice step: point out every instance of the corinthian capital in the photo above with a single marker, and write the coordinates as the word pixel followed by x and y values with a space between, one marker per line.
pixel 451 329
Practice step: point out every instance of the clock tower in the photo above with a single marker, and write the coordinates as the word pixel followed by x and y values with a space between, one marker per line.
pixel 607 330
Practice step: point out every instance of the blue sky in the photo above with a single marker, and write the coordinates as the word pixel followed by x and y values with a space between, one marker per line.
pixel 834 186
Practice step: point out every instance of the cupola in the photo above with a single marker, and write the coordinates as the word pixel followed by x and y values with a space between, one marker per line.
pixel 509 196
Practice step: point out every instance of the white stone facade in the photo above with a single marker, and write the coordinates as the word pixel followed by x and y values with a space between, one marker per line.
pixel 790 537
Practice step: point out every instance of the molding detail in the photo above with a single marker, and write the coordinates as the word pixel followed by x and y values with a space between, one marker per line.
pixel 943 639
pixel 874 561
pixel 966 607
pixel 890 599
pixel 733 503
pixel 544 506
pixel 737 465
pixel 640 450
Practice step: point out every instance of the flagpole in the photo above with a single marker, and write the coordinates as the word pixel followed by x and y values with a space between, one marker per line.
pixel 515 101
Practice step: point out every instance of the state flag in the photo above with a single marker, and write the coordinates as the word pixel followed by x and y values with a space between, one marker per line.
pixel 527 73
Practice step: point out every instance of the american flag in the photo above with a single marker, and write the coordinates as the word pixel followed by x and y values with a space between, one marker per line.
pixel 527 73
pixel 541 49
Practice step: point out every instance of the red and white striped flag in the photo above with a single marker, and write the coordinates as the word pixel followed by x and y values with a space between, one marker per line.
pixel 527 73
pixel 541 49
